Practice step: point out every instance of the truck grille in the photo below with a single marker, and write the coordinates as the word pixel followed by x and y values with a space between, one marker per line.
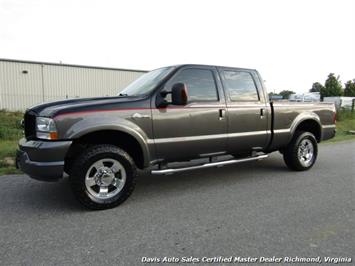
pixel 30 125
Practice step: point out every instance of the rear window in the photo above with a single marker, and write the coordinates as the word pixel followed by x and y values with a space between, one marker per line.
pixel 240 86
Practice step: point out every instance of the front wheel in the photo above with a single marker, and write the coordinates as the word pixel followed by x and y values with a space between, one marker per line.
pixel 301 153
pixel 103 176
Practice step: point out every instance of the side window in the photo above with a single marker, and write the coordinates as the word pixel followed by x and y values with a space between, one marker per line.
pixel 240 86
pixel 201 85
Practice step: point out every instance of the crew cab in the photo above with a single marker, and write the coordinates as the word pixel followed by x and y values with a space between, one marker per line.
pixel 211 115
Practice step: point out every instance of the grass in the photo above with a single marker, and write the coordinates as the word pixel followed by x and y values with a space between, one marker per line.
pixel 345 122
pixel 11 132
pixel 7 157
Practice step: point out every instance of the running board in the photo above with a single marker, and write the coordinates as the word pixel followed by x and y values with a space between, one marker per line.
pixel 207 165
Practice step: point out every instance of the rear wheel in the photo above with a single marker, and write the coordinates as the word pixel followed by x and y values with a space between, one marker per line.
pixel 301 153
pixel 103 176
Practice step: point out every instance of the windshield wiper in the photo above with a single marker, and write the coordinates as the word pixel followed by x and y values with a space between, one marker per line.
pixel 123 94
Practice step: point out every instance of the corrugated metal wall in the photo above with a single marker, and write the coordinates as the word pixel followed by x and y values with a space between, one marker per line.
pixel 49 82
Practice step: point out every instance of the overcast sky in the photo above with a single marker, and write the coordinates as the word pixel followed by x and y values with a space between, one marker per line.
pixel 291 43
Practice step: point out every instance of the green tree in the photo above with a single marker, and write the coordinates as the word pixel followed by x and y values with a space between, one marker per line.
pixel 350 88
pixel 286 93
pixel 316 87
pixel 271 94
pixel 332 87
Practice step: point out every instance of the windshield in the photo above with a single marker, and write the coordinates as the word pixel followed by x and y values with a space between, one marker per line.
pixel 146 83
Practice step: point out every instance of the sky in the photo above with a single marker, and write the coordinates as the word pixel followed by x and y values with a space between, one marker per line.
pixel 291 43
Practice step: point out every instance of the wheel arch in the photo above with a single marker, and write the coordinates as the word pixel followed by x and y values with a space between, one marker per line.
pixel 132 142
pixel 310 123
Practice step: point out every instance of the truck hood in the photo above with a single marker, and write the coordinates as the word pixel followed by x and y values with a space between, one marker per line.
pixel 51 109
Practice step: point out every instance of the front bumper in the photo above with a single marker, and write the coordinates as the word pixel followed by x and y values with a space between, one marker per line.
pixel 42 160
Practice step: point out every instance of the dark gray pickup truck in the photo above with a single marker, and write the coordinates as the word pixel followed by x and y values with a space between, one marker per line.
pixel 172 114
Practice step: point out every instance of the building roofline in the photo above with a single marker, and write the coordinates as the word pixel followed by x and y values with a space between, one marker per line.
pixel 218 66
pixel 69 65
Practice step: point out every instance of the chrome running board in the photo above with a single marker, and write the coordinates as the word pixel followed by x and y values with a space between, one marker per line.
pixel 207 165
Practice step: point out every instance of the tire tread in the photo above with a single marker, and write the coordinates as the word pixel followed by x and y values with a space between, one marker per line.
pixel 290 153
pixel 77 176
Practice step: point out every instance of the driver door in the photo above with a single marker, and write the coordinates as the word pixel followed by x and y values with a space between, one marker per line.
pixel 197 129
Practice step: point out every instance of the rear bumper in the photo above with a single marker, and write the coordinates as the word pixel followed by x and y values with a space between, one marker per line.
pixel 328 132
pixel 42 160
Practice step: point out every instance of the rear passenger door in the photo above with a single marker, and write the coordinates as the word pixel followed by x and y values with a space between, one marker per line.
pixel 248 110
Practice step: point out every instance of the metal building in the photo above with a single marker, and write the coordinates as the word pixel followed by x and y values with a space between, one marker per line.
pixel 26 83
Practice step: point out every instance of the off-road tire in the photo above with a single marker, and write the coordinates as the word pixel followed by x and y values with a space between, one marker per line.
pixel 85 160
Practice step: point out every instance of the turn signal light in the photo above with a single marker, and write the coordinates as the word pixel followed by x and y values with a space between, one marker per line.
pixel 53 135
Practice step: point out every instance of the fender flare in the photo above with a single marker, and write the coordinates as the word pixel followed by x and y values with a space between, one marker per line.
pixel 305 117
pixel 80 129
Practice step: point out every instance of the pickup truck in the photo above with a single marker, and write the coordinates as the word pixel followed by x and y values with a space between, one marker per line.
pixel 193 116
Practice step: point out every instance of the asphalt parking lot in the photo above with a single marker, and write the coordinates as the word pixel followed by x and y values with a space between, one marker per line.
pixel 252 209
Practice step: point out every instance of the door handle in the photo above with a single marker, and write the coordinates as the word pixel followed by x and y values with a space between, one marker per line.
pixel 262 113
pixel 222 114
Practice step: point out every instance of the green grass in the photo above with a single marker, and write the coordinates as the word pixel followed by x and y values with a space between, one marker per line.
pixel 7 157
pixel 10 128
pixel 11 132
pixel 345 122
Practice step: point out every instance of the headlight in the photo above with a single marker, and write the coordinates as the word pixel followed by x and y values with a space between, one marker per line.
pixel 45 128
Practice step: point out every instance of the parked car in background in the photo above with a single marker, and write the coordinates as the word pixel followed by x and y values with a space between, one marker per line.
pixel 305 97
pixel 341 101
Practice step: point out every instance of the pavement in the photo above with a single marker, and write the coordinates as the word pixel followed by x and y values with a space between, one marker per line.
pixel 255 209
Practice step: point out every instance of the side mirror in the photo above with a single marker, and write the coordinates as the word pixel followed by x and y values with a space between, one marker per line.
pixel 179 94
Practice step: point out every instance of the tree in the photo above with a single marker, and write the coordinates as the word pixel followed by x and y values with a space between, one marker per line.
pixel 274 96
pixel 332 87
pixel 316 87
pixel 271 94
pixel 286 93
pixel 350 88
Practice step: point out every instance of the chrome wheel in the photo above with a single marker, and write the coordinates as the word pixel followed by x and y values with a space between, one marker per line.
pixel 305 152
pixel 105 179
